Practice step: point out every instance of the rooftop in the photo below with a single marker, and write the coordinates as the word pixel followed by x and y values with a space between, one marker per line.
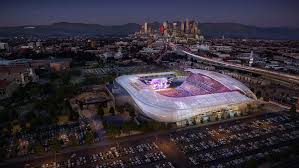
pixel 4 84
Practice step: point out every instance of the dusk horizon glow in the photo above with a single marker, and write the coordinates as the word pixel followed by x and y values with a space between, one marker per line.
pixel 261 13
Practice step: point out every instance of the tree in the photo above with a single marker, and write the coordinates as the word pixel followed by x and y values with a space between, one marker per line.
pixel 91 80
pixel 30 115
pixel 111 129
pixel 151 126
pixel 251 164
pixel 89 138
pixel 73 140
pixel 2 153
pixel 112 111
pixel 30 148
pixel 75 72
pixel 130 109
pixel 53 76
pixel 293 109
pixel 132 114
pixel 38 148
pixel 4 116
pixel 249 108
pixel 55 145
pixel 258 94
pixel 101 112
pixel 126 128
pixel 155 125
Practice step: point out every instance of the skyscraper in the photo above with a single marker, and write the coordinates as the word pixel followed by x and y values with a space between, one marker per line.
pixel 174 24
pixel 251 58
pixel 174 28
pixel 182 26
pixel 187 26
pixel 93 44
pixel 145 27
pixel 194 28
pixel 165 26
pixel 4 46
pixel 162 29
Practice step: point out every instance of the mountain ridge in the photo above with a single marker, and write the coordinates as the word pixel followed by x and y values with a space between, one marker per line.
pixel 209 29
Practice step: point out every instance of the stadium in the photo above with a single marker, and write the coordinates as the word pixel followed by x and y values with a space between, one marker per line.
pixel 169 97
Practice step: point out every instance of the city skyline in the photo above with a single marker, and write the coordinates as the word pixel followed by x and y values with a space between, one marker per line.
pixel 148 83
pixel 259 13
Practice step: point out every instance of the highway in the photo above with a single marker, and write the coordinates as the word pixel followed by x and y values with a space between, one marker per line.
pixel 275 75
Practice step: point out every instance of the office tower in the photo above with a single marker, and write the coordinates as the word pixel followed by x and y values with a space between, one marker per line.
pixel 187 26
pixel 174 28
pixel 251 58
pixel 93 44
pixel 38 44
pixel 145 27
pixel 4 46
pixel 182 26
pixel 194 28
pixel 162 29
pixel 165 25
pixel 174 24
pixel 149 29
pixel 165 28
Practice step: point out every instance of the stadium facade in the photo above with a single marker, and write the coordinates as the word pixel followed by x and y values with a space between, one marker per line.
pixel 168 97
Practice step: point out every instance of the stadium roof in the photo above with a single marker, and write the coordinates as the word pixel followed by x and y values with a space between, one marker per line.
pixel 176 108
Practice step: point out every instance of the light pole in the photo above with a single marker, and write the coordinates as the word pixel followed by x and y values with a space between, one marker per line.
pixel 55 159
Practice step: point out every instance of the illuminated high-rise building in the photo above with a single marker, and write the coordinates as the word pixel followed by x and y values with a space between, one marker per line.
pixel 145 28
pixel 251 58
pixel 4 46
pixel 187 26
pixel 165 26
pixel 93 44
pixel 174 28
pixel 149 29
pixel 194 28
pixel 162 29
pixel 174 24
pixel 182 26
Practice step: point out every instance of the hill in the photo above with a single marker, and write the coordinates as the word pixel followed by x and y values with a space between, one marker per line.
pixel 235 30
pixel 232 30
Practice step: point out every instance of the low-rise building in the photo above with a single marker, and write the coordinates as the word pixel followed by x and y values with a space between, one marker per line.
pixel 20 74
pixel 7 88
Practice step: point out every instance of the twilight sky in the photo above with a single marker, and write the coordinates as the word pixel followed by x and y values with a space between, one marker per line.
pixel 112 12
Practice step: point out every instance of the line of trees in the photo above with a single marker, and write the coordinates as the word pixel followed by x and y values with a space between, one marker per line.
pixel 127 127
pixel 44 103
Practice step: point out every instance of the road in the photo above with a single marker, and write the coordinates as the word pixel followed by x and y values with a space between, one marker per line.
pixel 275 75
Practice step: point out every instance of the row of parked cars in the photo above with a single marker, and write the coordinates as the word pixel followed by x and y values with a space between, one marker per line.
pixel 234 143
pixel 120 156
pixel 27 141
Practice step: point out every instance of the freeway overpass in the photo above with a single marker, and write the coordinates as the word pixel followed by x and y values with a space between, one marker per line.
pixel 294 79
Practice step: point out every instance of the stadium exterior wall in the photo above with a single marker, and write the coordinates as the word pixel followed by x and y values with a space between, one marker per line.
pixel 169 109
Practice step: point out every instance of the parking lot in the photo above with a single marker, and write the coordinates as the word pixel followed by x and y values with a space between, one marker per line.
pixel 39 140
pixel 121 70
pixel 226 144
pixel 232 144
pixel 145 155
